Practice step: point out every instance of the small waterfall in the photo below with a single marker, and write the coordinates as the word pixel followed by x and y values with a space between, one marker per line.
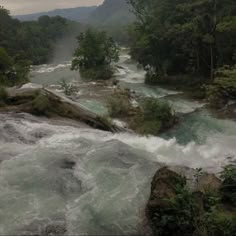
pixel 87 181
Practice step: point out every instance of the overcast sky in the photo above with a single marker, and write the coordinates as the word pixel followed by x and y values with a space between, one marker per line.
pixel 18 7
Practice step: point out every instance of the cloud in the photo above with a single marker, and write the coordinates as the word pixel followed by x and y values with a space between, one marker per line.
pixel 31 6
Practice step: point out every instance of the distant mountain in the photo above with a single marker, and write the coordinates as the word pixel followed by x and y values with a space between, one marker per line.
pixel 109 13
pixel 80 14
pixel 112 12
pixel 112 15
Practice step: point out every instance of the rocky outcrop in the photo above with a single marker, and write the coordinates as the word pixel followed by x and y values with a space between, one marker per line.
pixel 43 102
pixel 181 207
pixel 206 182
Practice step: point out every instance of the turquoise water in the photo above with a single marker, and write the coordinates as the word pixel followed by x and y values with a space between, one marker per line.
pixel 94 106
pixel 106 191
pixel 196 123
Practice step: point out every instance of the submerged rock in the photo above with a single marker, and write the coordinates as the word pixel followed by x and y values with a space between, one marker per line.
pixel 54 230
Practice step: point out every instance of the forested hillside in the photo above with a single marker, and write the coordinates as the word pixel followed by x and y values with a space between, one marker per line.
pixel 79 14
pixel 113 16
pixel 112 12
pixel 184 36
pixel 25 43
pixel 172 39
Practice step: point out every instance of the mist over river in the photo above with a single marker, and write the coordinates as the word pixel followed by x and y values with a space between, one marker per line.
pixel 58 173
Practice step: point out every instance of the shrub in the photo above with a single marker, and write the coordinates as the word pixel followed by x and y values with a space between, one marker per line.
pixel 228 188
pixel 68 88
pixel 153 118
pixel 218 224
pixel 41 105
pixel 97 73
pixel 175 213
pixel 223 87
pixel 3 96
pixel 119 106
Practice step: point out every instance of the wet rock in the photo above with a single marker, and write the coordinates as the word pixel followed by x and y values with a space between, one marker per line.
pixel 68 164
pixel 172 209
pixel 207 182
pixel 54 230
pixel 163 187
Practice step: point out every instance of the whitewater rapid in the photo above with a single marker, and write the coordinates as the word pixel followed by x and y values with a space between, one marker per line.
pixel 89 182
pixel 106 190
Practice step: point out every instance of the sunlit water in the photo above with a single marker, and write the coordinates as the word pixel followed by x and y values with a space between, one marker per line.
pixel 106 190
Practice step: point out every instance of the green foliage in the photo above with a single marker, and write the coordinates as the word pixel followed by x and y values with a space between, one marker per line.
pixel 13 71
pixel 96 52
pixel 26 43
pixel 3 96
pixel 223 87
pixel 177 214
pixel 97 73
pixel 187 213
pixel 154 117
pixel 6 61
pixel 183 37
pixel 41 105
pixel 218 224
pixel 228 188
pixel 34 40
pixel 119 106
pixel 68 88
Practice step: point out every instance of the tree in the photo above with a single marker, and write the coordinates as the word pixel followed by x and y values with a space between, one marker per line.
pixel 172 37
pixel 6 63
pixel 95 54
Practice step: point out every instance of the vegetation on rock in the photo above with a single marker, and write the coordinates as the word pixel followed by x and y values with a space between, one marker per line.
pixel 41 102
pixel 119 105
pixel 174 209
pixel 228 188
pixel 68 88
pixel 153 117
pixel 95 54
pixel 223 88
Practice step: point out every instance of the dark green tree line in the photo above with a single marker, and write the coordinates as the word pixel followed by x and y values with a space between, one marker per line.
pixel 25 43
pixel 172 37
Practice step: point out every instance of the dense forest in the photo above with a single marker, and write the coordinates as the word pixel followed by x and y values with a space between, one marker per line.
pixel 177 37
pixel 32 42
pixel 186 41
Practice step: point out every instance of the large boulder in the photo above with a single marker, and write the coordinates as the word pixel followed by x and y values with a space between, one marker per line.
pixel 169 209
pixel 195 207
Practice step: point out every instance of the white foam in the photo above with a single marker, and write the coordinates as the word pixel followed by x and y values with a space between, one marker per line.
pixel 109 186
pixel 49 68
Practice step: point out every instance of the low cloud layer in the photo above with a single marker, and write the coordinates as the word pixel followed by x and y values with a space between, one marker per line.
pixel 18 7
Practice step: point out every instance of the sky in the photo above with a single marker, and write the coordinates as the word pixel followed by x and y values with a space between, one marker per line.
pixel 18 7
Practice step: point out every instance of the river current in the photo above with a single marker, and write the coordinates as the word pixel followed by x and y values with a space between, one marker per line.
pixel 90 182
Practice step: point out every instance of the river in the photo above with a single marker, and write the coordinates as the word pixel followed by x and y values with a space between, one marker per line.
pixel 59 174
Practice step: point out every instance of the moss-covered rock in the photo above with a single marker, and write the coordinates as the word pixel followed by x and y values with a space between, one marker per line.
pixel 153 117
pixel 42 102
pixel 175 209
